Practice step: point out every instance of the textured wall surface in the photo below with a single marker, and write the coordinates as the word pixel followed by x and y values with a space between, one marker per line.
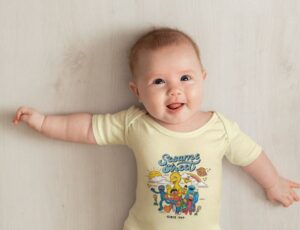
pixel 70 56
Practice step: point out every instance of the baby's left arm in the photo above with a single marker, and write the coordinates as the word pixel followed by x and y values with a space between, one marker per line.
pixel 277 188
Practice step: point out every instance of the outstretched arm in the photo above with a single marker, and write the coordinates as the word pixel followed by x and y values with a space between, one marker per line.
pixel 72 127
pixel 277 188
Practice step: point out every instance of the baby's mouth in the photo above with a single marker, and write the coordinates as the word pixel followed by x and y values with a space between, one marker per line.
pixel 175 106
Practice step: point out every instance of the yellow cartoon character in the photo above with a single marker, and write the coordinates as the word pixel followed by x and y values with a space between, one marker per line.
pixel 175 179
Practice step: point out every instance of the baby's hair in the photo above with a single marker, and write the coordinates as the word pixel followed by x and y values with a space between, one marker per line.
pixel 158 38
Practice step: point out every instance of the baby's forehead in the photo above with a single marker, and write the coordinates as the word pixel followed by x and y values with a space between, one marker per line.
pixel 174 46
pixel 180 56
pixel 170 55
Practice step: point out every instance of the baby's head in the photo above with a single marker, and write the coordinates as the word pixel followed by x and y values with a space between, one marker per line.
pixel 167 75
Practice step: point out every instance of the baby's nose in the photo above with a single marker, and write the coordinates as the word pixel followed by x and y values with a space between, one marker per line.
pixel 174 92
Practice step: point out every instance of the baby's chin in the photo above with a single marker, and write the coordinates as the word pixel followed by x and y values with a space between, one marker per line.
pixel 171 120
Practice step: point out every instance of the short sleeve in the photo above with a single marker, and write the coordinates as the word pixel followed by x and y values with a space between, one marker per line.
pixel 110 128
pixel 242 150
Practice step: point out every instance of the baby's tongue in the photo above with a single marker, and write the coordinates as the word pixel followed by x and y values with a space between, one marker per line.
pixel 174 106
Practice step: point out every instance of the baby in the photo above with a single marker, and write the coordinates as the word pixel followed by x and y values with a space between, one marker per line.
pixel 177 145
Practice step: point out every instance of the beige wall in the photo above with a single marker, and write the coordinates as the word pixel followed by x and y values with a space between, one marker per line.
pixel 70 56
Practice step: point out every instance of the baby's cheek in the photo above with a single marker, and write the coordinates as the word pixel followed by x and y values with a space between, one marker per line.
pixel 194 93
pixel 195 99
pixel 146 97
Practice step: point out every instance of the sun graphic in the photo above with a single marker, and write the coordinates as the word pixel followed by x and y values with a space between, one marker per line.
pixel 153 173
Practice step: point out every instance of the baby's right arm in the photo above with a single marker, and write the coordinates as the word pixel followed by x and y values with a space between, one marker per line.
pixel 72 127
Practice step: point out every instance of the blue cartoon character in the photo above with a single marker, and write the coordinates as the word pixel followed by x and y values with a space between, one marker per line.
pixel 190 199
pixel 163 196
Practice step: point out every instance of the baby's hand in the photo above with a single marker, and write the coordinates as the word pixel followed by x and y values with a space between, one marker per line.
pixel 283 192
pixel 30 116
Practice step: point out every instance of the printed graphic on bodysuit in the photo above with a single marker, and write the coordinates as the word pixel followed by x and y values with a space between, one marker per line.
pixel 177 185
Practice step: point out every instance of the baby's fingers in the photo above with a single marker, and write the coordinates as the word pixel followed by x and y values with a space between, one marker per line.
pixel 294 184
pixel 25 118
pixel 286 202
pixel 295 196
pixel 22 114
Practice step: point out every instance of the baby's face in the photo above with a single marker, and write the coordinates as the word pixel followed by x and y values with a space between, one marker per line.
pixel 169 83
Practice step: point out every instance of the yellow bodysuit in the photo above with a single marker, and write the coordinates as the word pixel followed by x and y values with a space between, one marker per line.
pixel 179 173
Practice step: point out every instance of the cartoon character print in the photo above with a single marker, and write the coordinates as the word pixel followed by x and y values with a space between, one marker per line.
pixel 179 183
pixel 163 197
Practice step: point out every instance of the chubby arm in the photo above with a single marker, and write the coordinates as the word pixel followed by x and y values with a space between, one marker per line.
pixel 72 127
pixel 263 171
pixel 277 188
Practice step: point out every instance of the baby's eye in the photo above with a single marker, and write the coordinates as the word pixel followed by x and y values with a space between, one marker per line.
pixel 185 77
pixel 158 81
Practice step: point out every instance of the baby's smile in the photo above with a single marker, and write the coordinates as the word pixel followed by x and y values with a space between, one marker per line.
pixel 175 107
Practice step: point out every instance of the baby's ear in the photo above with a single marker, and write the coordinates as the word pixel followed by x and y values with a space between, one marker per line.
pixel 134 89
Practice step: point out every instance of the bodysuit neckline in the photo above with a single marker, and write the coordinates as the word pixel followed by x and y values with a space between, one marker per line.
pixel 172 133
